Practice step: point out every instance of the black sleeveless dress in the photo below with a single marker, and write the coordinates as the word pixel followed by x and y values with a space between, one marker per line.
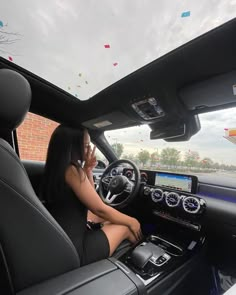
pixel 71 214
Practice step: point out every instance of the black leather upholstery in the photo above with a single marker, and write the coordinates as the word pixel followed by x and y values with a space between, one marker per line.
pixel 15 98
pixel 122 249
pixel 35 246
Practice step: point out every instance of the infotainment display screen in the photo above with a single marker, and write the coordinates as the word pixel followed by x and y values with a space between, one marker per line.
pixel 174 181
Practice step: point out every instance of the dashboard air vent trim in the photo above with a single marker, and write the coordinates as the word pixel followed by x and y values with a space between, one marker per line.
pixel 191 205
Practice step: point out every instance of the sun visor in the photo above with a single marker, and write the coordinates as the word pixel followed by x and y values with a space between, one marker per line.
pixel 211 93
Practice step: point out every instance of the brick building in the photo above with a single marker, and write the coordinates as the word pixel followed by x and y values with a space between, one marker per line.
pixel 33 137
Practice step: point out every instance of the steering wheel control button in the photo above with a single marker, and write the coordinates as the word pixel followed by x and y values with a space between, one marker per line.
pixel 128 187
pixel 157 195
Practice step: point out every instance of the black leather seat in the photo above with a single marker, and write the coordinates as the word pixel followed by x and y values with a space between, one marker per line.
pixel 34 246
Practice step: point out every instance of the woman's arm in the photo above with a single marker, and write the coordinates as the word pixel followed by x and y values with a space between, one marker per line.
pixel 89 174
pixel 83 189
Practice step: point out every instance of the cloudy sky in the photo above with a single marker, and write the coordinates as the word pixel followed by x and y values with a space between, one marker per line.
pixel 63 42
pixel 208 142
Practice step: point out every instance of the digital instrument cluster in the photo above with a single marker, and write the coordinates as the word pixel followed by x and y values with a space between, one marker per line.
pixel 129 173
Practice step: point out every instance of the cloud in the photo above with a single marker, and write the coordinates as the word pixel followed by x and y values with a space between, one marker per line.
pixel 208 142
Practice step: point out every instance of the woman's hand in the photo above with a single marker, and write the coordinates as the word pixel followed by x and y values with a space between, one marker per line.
pixel 90 160
pixel 135 228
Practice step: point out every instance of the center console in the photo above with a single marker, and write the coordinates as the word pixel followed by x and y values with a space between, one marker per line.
pixel 174 244
pixel 157 257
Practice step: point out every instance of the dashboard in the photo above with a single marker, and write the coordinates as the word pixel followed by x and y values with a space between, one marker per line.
pixel 179 182
pixel 216 195
pixel 170 196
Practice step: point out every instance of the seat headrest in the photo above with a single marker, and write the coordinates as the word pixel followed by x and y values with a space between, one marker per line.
pixel 15 98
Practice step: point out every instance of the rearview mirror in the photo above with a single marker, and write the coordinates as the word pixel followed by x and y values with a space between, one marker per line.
pixel 170 131
pixel 176 131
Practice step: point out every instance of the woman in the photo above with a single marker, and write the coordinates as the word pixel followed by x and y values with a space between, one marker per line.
pixel 69 192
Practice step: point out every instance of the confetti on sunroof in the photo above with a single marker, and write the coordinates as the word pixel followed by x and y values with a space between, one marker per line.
pixel 185 14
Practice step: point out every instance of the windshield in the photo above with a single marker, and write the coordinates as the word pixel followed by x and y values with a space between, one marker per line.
pixel 85 46
pixel 211 150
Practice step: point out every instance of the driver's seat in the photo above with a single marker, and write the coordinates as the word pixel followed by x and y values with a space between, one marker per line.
pixel 33 247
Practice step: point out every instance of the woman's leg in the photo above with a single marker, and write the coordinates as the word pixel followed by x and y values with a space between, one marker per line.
pixel 116 234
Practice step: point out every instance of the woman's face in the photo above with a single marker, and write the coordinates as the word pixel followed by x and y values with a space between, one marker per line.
pixel 86 143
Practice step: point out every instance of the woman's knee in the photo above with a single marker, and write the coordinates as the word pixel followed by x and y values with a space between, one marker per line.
pixel 128 235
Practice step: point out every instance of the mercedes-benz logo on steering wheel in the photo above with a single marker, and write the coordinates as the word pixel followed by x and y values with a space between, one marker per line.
pixel 114 182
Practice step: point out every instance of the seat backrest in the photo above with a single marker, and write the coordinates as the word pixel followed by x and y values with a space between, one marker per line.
pixel 35 246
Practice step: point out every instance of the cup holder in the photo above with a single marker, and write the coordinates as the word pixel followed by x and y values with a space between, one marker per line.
pixel 166 246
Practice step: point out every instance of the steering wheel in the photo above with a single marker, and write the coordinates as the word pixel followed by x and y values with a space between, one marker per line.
pixel 118 191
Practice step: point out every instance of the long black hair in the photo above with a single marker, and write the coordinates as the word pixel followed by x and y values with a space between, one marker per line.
pixel 66 146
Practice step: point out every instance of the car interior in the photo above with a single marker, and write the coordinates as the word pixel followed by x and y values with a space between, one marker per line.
pixel 187 237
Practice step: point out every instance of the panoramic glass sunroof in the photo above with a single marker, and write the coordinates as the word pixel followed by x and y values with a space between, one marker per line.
pixel 85 46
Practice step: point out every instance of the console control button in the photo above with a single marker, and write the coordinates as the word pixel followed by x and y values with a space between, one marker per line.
pixel 153 259
pixel 161 260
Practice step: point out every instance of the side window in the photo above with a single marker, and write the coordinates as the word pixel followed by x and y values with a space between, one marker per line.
pixel 101 157
pixel 33 137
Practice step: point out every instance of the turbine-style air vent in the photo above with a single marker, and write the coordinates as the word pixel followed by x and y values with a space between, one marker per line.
pixel 172 199
pixel 157 195
pixel 191 205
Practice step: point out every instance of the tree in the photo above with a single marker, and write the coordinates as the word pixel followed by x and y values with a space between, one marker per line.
pixel 118 148
pixel 154 157
pixel 6 37
pixel 130 157
pixel 191 158
pixel 207 163
pixel 223 166
pixel 170 156
pixel 143 156
pixel 216 166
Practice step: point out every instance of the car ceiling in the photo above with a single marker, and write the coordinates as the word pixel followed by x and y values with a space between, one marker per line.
pixel 173 79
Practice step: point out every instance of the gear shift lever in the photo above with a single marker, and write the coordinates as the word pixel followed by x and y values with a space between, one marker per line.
pixel 140 256
pixel 146 251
